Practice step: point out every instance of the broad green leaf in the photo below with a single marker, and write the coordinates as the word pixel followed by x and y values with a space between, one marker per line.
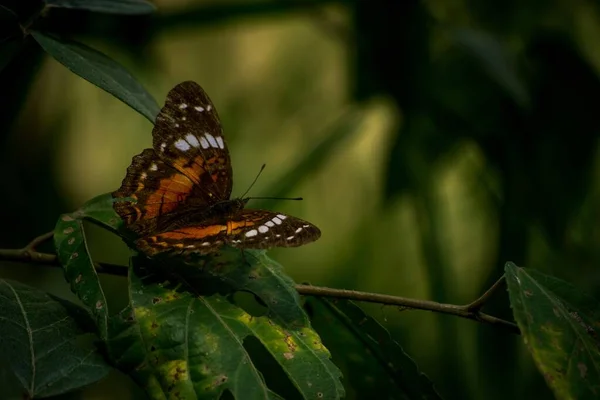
pixel 559 324
pixel 100 70
pixel 74 256
pixel 193 347
pixel 370 359
pixel 128 7
pixel 495 60
pixel 251 271
pixel 42 344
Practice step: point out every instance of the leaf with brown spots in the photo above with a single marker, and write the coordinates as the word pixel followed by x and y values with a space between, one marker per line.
pixel 73 254
pixel 560 326
pixel 194 346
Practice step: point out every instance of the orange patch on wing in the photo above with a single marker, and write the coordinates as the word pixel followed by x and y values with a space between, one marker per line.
pixel 172 191
pixel 191 233
pixel 236 225
pixel 194 171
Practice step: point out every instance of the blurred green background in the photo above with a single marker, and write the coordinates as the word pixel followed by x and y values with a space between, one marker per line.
pixel 432 142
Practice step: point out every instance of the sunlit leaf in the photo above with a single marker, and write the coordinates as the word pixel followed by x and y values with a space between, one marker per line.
pixel 493 57
pixel 100 70
pixel 559 324
pixel 74 256
pixel 194 346
pixel 130 7
pixel 43 345
pixel 370 359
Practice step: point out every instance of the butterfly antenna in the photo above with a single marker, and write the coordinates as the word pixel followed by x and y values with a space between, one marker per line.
pixel 275 198
pixel 254 181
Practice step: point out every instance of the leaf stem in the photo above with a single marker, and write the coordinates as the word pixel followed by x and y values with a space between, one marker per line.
pixel 469 311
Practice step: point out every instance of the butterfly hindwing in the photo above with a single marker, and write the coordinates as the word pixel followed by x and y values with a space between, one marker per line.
pixel 250 229
pixel 189 137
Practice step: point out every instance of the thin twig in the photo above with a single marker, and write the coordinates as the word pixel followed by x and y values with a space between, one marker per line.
pixel 459 311
pixel 478 304
pixel 469 311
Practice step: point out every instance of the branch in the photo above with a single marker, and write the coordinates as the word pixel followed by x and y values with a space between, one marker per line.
pixel 451 309
pixel 470 311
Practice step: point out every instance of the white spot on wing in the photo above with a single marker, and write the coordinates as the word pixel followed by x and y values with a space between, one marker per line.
pixel 153 167
pixel 270 224
pixel 211 140
pixel 176 125
pixel 298 230
pixel 183 118
pixel 220 142
pixel 162 146
pixel 306 226
pixel 198 108
pixel 204 142
pixel 206 244
pixel 289 237
pixel 183 106
pixel 277 235
pixel 190 246
pixel 276 220
pixel 143 175
pixel 282 216
pixel 191 139
pixel 208 107
pixel 182 145
pixel 251 233
pixel 263 229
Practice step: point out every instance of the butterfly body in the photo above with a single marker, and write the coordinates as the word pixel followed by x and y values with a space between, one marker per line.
pixel 176 196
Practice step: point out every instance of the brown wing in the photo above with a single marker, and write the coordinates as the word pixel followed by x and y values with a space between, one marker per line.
pixel 155 189
pixel 189 166
pixel 250 229
pixel 188 136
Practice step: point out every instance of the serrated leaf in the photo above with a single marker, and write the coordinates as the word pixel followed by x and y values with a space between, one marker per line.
pixel 559 325
pixel 74 256
pixel 42 343
pixel 370 359
pixel 193 347
pixel 100 70
pixel 126 7
pixel 495 60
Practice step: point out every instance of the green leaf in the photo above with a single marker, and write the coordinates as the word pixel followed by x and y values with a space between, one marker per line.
pixel 369 358
pixel 127 7
pixel 251 271
pixel 100 70
pixel 42 343
pixel 74 256
pixel 193 346
pixel 495 60
pixel 559 325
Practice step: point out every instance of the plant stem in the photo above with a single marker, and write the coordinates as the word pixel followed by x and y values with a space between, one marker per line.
pixel 470 311
pixel 478 304
pixel 459 311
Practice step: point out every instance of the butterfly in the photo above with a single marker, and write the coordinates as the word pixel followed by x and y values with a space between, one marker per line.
pixel 176 196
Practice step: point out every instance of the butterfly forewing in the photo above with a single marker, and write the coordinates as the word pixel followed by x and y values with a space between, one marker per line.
pixel 250 229
pixel 189 137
